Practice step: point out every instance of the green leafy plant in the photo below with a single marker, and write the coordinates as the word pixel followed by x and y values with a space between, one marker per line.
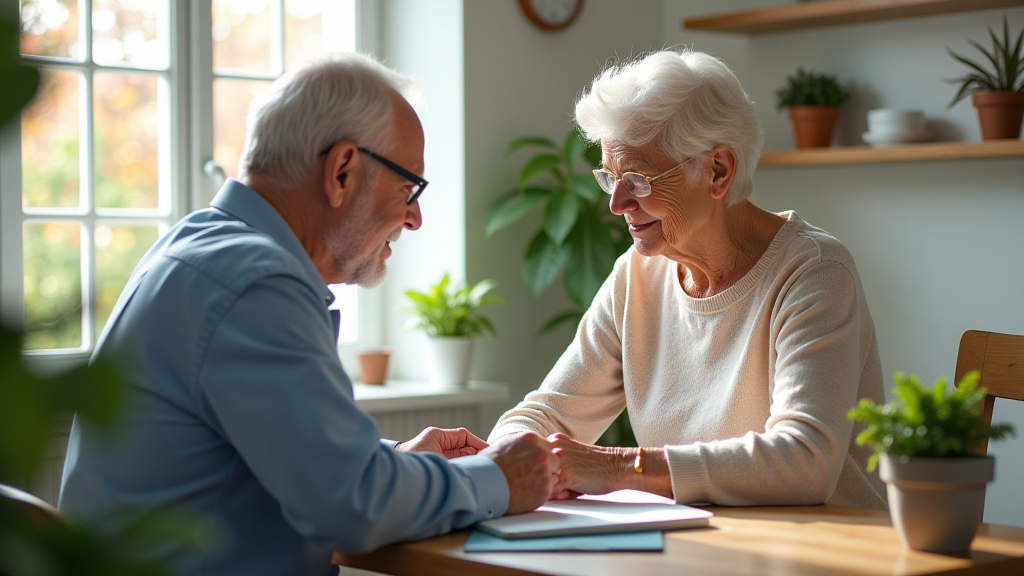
pixel 579 238
pixel 810 89
pixel 1007 66
pixel 931 423
pixel 446 309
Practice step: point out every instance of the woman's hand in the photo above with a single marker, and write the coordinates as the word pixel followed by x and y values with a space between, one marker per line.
pixel 450 443
pixel 589 469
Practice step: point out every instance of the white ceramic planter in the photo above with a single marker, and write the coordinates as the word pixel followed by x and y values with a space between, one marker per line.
pixel 936 504
pixel 448 360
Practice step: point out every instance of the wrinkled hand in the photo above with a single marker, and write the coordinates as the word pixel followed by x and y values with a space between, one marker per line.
pixel 586 469
pixel 450 443
pixel 528 465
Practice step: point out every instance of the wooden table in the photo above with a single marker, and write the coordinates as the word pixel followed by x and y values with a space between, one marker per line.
pixel 763 541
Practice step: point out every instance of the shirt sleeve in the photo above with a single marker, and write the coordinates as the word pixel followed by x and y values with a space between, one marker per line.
pixel 583 392
pixel 272 384
pixel 817 332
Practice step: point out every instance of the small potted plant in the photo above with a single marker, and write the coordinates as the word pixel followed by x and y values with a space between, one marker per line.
pixel 813 101
pixel 930 459
pixel 997 91
pixel 450 316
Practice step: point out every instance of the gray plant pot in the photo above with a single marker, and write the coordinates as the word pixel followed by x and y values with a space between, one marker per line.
pixel 936 504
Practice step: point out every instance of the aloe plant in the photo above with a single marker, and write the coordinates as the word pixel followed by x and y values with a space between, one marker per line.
pixel 931 423
pixel 446 309
pixel 579 239
pixel 1006 73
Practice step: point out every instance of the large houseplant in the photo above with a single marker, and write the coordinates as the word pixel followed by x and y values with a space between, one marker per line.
pixel 928 450
pixel 450 316
pixel 997 91
pixel 579 238
pixel 813 101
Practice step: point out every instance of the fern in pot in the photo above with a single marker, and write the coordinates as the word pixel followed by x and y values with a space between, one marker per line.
pixel 930 456
pixel 450 316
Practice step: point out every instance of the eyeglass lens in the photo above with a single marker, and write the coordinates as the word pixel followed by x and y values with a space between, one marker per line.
pixel 637 184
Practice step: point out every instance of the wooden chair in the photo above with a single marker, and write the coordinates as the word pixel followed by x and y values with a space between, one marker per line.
pixel 1000 359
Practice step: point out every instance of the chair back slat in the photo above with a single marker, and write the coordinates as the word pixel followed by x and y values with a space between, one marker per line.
pixel 1003 375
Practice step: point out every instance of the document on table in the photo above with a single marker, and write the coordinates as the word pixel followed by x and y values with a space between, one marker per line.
pixel 627 542
pixel 622 511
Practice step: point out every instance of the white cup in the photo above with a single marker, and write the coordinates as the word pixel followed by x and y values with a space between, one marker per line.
pixel 883 121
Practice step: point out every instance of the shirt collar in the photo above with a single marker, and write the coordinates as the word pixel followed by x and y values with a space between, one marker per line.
pixel 247 205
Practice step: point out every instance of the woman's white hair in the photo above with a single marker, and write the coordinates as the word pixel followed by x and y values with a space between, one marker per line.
pixel 689 102
pixel 342 97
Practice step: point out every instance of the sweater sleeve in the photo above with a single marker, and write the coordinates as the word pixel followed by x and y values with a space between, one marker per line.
pixel 818 332
pixel 583 393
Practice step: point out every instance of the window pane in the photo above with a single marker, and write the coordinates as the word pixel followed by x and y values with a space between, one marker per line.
pixel 313 27
pixel 130 32
pixel 127 122
pixel 241 34
pixel 346 301
pixel 118 250
pixel 49 144
pixel 50 28
pixel 53 285
pixel 231 100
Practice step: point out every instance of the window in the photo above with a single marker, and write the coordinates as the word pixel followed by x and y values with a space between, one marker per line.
pixel 97 172
pixel 112 151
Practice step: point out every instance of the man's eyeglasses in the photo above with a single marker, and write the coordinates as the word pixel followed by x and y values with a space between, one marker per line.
pixel 637 184
pixel 418 184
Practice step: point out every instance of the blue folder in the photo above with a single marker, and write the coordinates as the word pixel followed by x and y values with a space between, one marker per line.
pixel 622 542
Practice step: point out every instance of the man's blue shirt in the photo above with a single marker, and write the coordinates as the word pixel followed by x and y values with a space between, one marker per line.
pixel 239 410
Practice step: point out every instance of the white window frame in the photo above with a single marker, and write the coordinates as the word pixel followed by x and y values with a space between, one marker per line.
pixel 172 173
pixel 190 80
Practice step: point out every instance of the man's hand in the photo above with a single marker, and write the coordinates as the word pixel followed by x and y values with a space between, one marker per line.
pixel 529 468
pixel 450 443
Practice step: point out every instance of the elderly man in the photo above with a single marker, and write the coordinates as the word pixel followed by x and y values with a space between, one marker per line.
pixel 239 407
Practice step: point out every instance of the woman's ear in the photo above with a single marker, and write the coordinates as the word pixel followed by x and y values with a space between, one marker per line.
pixel 343 172
pixel 723 170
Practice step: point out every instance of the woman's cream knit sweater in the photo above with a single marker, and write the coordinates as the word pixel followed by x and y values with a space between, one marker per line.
pixel 747 390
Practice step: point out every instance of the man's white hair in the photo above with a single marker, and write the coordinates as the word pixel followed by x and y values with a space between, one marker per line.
pixel 341 97
pixel 688 102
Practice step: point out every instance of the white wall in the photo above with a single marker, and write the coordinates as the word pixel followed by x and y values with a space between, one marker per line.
pixel 938 244
pixel 424 39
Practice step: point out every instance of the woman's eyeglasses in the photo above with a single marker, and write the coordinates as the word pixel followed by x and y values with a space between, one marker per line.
pixel 637 184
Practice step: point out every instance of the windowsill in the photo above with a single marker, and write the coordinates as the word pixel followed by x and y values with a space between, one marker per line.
pixel 398 395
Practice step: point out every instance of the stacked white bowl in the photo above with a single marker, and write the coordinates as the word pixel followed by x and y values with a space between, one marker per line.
pixel 892 126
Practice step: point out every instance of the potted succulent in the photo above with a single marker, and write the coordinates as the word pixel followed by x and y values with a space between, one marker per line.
pixel 997 91
pixel 450 315
pixel 813 101
pixel 930 459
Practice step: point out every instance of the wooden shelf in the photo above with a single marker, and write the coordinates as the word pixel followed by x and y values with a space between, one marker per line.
pixel 904 153
pixel 834 13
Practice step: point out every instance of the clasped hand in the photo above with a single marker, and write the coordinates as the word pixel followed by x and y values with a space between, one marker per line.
pixel 448 442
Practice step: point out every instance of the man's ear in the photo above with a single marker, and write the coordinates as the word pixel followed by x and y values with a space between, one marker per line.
pixel 343 172
pixel 723 170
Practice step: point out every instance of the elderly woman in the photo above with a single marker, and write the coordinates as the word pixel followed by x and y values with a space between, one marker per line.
pixel 735 337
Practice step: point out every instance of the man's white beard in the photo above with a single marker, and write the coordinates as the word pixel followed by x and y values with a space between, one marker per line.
pixel 368 271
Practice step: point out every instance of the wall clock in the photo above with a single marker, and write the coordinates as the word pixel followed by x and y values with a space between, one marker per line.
pixel 551 14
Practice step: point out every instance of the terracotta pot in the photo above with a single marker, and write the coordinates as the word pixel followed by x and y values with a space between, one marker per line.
pixel 373 366
pixel 999 114
pixel 936 504
pixel 813 125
